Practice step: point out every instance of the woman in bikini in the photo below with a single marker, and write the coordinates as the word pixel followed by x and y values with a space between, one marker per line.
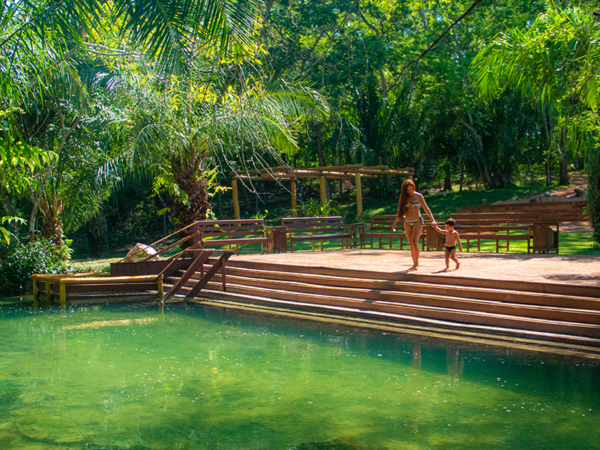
pixel 409 207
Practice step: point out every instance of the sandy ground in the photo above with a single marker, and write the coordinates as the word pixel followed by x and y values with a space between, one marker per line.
pixel 571 269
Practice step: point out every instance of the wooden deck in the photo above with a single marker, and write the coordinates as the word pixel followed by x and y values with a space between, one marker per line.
pixel 567 269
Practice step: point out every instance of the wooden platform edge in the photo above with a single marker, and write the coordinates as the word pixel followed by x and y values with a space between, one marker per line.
pixel 401 328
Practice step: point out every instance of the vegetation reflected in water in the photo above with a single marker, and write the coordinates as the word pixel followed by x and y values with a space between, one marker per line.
pixel 139 377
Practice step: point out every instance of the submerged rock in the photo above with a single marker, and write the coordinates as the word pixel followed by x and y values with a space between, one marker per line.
pixel 91 446
pixel 338 444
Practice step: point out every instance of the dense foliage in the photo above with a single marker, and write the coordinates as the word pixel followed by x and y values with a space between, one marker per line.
pixel 114 111
pixel 20 262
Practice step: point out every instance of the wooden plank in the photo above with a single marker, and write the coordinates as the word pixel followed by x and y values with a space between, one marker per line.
pixel 113 298
pixel 121 287
pixel 217 242
pixel 513 338
pixel 530 286
pixel 413 298
pixel 106 280
pixel 470 317
pixel 532 298
pixel 149 268
pixel 318 237
pixel 230 222
pixel 343 168
pixel 287 221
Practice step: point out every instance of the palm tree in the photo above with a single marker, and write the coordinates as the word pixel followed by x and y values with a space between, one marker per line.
pixel 556 60
pixel 46 46
pixel 552 62
pixel 184 126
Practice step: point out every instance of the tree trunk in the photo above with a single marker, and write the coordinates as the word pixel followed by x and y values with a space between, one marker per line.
pixel 448 181
pixel 96 234
pixel 52 228
pixel 185 175
pixel 564 173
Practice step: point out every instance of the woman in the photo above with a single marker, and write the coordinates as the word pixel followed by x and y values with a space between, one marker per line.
pixel 409 207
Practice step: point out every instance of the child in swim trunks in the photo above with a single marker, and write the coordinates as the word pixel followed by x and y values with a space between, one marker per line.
pixel 452 240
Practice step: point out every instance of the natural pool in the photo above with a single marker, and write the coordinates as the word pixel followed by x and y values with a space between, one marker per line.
pixel 202 378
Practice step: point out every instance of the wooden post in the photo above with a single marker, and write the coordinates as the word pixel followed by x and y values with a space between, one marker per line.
pixel 48 287
pixel 293 189
pixel 323 191
pixel 36 289
pixel 63 294
pixel 359 206
pixel 236 202
pixel 196 238
pixel 159 287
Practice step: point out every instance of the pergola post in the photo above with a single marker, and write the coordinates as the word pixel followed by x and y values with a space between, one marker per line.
pixel 359 205
pixel 236 202
pixel 293 189
pixel 323 191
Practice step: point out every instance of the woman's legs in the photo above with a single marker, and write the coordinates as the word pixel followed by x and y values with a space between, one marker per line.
pixel 414 243
pixel 413 232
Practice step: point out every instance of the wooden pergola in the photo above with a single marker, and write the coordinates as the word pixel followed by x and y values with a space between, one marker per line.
pixel 347 172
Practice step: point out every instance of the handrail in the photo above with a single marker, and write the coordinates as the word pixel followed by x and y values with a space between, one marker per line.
pixel 162 239
pixel 180 241
pixel 219 264
pixel 200 260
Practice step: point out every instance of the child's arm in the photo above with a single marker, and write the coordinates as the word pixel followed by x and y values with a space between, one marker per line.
pixel 457 240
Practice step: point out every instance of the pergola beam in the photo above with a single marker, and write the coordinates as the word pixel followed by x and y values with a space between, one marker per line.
pixel 346 172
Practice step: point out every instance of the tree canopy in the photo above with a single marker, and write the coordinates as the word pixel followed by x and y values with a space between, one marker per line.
pixel 178 94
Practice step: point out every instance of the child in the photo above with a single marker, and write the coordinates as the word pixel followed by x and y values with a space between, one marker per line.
pixel 452 239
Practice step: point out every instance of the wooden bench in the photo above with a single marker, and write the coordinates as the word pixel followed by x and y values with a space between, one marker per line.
pixel 543 236
pixel 495 232
pixel 381 229
pixel 217 233
pixel 316 229
pixel 565 211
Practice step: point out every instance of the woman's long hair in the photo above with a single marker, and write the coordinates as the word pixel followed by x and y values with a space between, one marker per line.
pixel 404 196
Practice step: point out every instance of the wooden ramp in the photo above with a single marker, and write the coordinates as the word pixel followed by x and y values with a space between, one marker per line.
pixel 541 310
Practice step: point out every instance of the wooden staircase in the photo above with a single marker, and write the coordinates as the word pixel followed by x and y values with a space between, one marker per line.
pixel 540 310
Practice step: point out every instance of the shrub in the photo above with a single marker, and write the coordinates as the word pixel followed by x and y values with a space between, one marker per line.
pixel 24 260
pixel 313 208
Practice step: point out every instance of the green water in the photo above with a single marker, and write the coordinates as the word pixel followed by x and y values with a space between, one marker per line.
pixel 205 378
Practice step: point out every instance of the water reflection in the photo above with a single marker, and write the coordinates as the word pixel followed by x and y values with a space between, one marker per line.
pixel 166 378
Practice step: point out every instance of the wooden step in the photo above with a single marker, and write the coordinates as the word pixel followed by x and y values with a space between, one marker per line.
pixel 474 333
pixel 533 298
pixel 420 299
pixel 524 286
pixel 424 299
pixel 421 311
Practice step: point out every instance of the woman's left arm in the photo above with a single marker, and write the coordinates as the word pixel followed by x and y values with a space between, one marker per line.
pixel 426 208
